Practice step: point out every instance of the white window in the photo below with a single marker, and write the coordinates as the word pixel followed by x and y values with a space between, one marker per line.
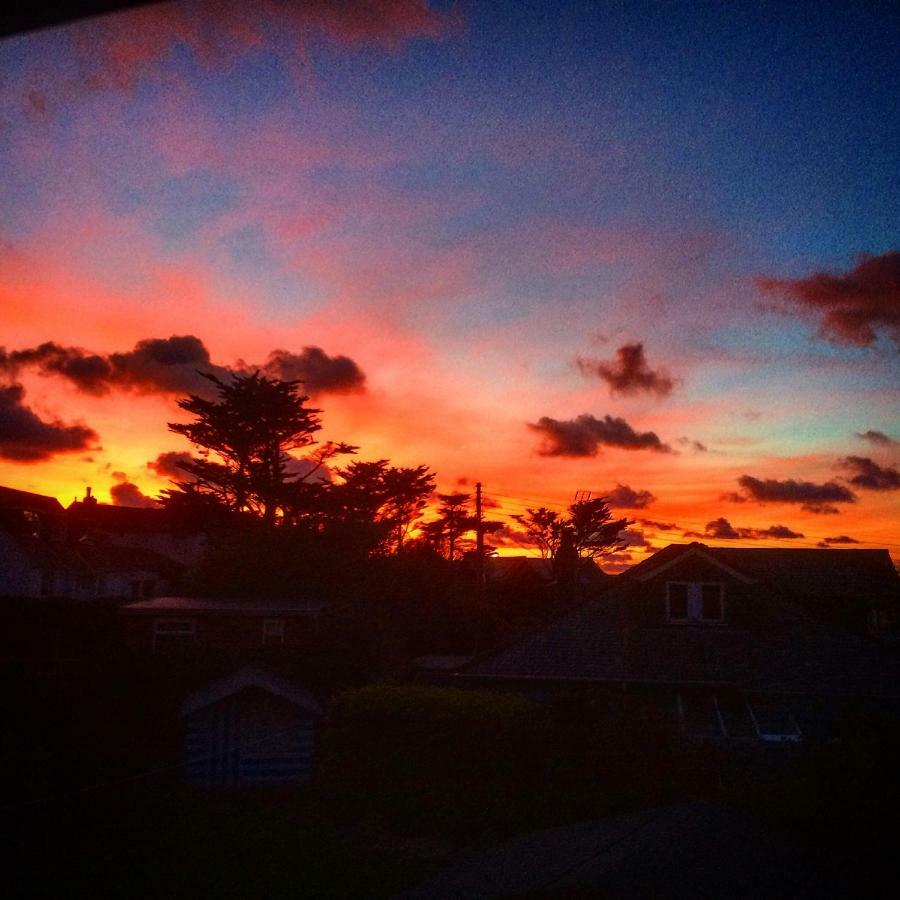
pixel 273 632
pixel 173 635
pixel 695 601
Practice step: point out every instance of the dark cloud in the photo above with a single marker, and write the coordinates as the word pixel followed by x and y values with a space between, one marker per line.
pixel 722 529
pixel 780 531
pixel 165 365
pixel 870 476
pixel 628 373
pixel 584 435
pixel 167 465
pixel 659 526
pixel 613 563
pixel 124 493
pixel 855 306
pixel 91 373
pixel 318 371
pixel 176 365
pixel 633 537
pixel 696 446
pixel 817 498
pixel 624 497
pixel 25 437
pixel 878 438
pixel 154 365
pixel 840 539
pixel 508 536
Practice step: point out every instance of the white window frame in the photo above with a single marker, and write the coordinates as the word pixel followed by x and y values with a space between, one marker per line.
pixel 160 629
pixel 273 636
pixel 695 602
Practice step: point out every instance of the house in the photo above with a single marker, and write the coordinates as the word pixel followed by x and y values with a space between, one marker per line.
pixel 724 643
pixel 170 534
pixel 45 553
pixel 201 628
pixel 249 729
pixel 36 558
pixel 518 570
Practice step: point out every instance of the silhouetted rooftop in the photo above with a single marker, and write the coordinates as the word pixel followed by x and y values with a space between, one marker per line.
pixel 232 606
pixel 11 498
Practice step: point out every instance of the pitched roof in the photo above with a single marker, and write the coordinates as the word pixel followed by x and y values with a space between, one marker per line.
pixel 211 606
pixel 247 678
pixel 54 555
pixel 113 558
pixel 789 653
pixel 516 568
pixel 10 498
pixel 805 574
pixel 121 519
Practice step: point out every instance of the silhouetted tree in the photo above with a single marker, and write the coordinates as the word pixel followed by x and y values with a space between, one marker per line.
pixel 543 528
pixel 593 530
pixel 377 501
pixel 454 521
pixel 244 437
pixel 589 531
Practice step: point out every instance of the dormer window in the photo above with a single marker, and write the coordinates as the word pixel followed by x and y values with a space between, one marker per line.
pixel 677 602
pixel 695 601
pixel 711 602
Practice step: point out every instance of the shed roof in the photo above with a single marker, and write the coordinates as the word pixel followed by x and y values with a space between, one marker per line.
pixel 247 678
pixel 223 606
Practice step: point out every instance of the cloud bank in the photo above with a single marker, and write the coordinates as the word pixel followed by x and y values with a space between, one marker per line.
pixel 585 434
pixel 817 498
pixel 853 307
pixel 174 365
pixel 25 437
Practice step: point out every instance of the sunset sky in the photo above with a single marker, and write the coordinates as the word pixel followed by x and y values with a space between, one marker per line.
pixel 648 250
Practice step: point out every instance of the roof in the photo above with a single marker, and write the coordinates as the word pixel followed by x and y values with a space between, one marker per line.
pixel 509 568
pixel 213 606
pixel 593 644
pixel 806 574
pixel 791 652
pixel 245 679
pixel 10 498
pixel 114 558
pixel 54 555
pixel 125 518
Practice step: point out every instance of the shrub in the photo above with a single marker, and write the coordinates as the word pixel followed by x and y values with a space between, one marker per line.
pixel 431 756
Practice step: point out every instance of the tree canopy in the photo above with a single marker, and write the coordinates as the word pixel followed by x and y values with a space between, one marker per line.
pixel 244 437
pixel 588 531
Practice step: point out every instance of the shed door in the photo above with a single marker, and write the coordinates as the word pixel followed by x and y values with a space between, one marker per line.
pixel 251 738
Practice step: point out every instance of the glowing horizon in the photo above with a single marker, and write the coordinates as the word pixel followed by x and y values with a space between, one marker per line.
pixel 563 253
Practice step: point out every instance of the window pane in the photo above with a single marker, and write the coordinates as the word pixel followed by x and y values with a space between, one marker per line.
pixel 712 601
pixel 678 601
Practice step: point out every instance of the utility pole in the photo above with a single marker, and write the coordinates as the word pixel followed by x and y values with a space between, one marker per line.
pixel 479 538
